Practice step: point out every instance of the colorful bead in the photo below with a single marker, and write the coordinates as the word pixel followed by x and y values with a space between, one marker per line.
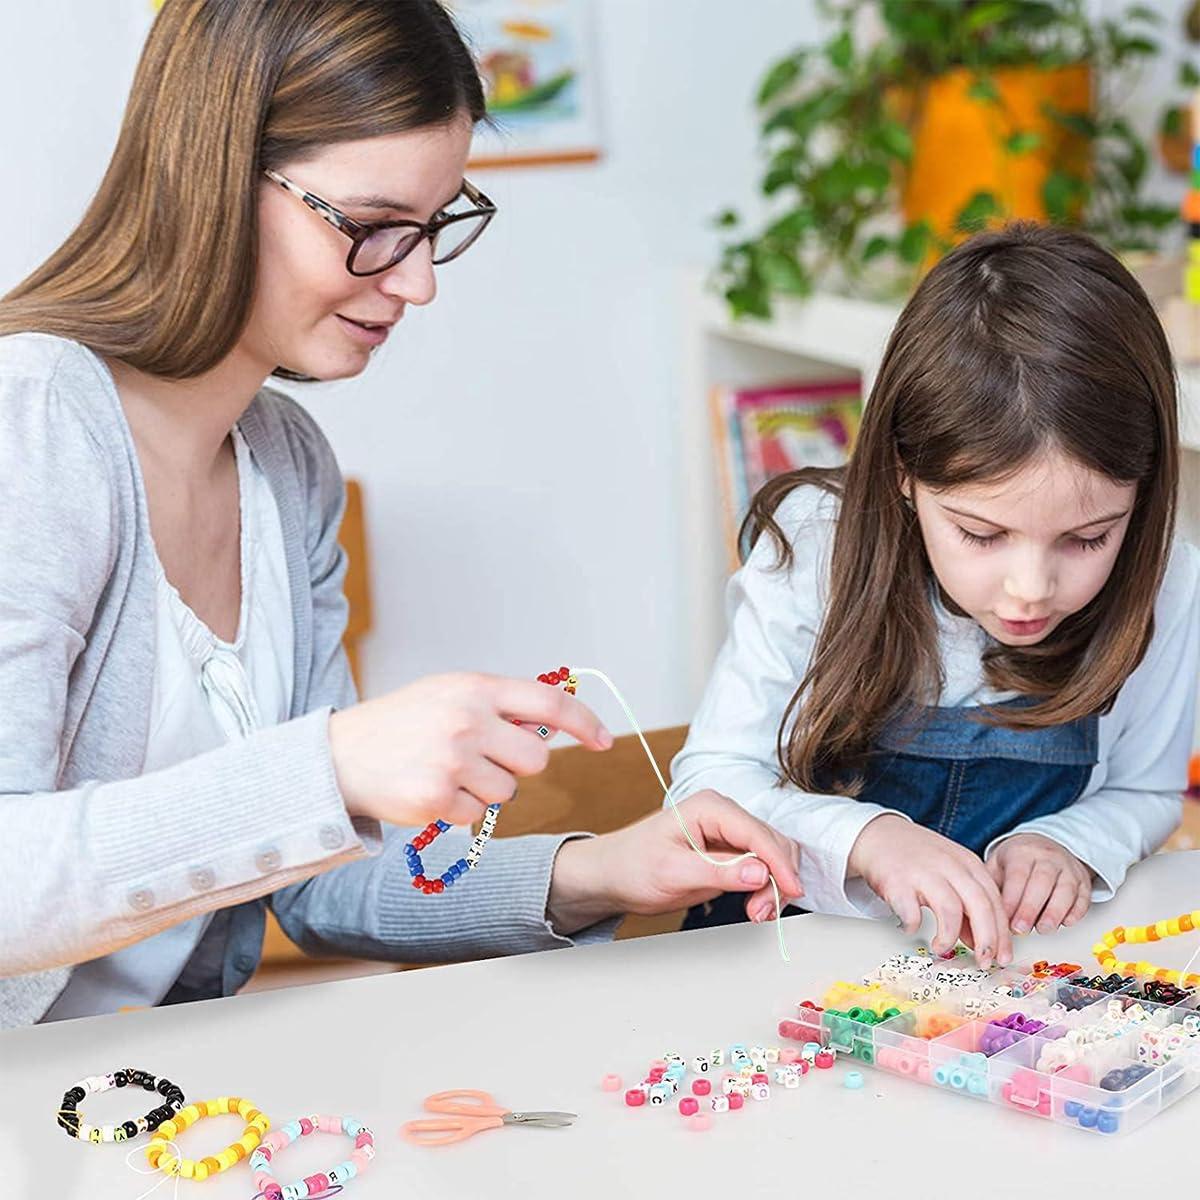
pixel 312 1185
pixel 689 1106
pixel 611 1083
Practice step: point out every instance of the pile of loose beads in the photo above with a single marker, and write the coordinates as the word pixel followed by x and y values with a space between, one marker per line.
pixel 1156 1047
pixel 1158 991
pixel 1076 993
pixel 256 1125
pixel 1105 949
pixel 748 1077
pixel 69 1117
pixel 435 829
pixel 1117 1021
pixel 314 1185
pixel 1001 1032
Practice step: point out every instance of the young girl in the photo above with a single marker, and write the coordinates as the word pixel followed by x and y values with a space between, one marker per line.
pixel 179 742
pixel 961 671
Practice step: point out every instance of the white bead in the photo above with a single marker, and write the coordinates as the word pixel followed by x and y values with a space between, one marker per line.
pixel 107 1133
pixel 700 1064
pixel 729 1084
pixel 792 1079
pixel 760 1091
pixel 772 1054
pixel 717 1058
pixel 720 1104
pixel 781 1074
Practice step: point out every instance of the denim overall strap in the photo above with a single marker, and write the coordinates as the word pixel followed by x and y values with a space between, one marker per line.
pixel 954 771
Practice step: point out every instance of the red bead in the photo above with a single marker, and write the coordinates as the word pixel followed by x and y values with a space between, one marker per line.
pixel 736 1100
pixel 688 1106
pixel 363 1139
pixel 759 1077
pixel 438 886
pixel 701 1087
pixel 419 881
pixel 305 1126
pixel 317 1184
pixel 564 673
pixel 656 1074
pixel 427 888
pixel 543 679
pixel 635 1097
pixel 792 1030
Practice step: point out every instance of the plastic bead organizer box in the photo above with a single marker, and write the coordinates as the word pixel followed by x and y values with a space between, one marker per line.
pixel 1104 1054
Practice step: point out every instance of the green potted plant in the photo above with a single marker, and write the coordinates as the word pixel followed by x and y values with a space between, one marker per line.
pixel 884 149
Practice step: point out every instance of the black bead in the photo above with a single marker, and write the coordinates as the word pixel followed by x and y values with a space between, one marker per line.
pixel 120 1078
pixel 165 1085
pixel 131 1129
pixel 77 1094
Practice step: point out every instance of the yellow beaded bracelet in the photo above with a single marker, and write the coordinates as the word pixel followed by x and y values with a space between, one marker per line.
pixel 1104 950
pixel 159 1157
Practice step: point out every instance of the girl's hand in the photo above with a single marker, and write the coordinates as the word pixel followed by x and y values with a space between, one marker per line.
pixel 445 747
pixel 1040 883
pixel 648 867
pixel 912 868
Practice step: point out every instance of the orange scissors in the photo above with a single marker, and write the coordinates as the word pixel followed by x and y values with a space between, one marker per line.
pixel 469 1113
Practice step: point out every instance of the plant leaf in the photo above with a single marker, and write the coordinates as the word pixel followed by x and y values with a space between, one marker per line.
pixel 1023 141
pixel 977 212
pixel 780 77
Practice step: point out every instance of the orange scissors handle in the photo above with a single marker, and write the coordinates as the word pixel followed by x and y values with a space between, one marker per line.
pixel 445 1131
pixel 465 1103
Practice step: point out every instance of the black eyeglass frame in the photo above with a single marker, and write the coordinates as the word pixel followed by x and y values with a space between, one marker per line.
pixel 359 231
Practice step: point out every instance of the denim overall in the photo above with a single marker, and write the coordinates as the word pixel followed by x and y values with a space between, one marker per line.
pixel 962 777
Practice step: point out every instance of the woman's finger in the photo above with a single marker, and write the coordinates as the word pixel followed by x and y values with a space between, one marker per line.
pixel 536 704
pixel 984 912
pixel 519 751
pixel 1014 876
pixel 487 782
pixel 943 901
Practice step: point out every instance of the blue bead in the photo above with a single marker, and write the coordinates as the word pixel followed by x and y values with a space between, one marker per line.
pixel 414 869
pixel 1071 1108
pixel 1108 1122
pixel 462 864
pixel 447 879
pixel 409 848
pixel 443 826
pixel 1088 1117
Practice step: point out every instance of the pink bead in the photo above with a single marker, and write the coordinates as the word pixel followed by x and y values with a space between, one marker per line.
pixel 825 1059
pixel 700 1122
pixel 306 1127
pixel 611 1083
pixel 658 1064
pixel 261 1179
pixel 360 1160
pixel 317 1184
pixel 267 1152
pixel 635 1097
pixel 363 1139
pixel 789 1054
pixel 701 1087
pixel 736 1100
pixel 688 1106
pixel 759 1077
pixel 328 1124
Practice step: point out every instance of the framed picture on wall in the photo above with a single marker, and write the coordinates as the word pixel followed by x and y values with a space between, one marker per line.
pixel 538 62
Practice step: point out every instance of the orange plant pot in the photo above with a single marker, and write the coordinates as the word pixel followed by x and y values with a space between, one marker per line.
pixel 959 142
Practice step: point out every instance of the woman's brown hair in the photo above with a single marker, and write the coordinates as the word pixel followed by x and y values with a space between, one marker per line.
pixel 1020 340
pixel 160 272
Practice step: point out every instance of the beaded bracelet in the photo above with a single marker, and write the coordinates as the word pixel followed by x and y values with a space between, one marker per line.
pixel 69 1117
pixel 435 829
pixel 256 1125
pixel 1104 950
pixel 313 1185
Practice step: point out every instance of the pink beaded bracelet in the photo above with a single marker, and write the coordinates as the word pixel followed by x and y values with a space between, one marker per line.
pixel 326 1184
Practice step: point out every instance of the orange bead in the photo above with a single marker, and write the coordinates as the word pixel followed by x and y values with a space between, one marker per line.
pixel 1185 922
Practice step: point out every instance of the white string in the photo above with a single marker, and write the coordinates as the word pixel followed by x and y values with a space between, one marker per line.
pixel 170 1145
pixel 670 799
pixel 1184 972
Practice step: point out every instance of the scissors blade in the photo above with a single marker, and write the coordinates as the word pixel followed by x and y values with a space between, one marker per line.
pixel 549 1120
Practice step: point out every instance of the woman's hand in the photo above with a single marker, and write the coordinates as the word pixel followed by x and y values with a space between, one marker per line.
pixel 1040 883
pixel 445 747
pixel 649 867
pixel 912 868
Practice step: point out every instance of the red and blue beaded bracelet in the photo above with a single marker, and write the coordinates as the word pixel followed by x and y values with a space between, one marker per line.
pixel 434 830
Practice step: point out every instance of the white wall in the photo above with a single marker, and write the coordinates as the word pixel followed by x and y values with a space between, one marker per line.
pixel 516 439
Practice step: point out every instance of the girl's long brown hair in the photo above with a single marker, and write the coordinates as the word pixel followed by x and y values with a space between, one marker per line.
pixel 160 271
pixel 1019 340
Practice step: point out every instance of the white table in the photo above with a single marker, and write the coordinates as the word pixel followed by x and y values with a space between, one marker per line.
pixel 539 1032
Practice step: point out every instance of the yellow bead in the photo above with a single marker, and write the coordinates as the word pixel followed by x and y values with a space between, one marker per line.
pixel 189 1115
pixel 244 1108
pixel 187 1168
pixel 1195 918
pixel 1173 929
pixel 1110 941
pixel 249 1141
pixel 222 1104
pixel 1161 928
pixel 200 1171
pixel 1144 968
pixel 227 1158
pixel 168 1130
pixel 169 1164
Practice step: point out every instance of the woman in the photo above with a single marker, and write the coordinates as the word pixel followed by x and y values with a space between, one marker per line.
pixel 180 745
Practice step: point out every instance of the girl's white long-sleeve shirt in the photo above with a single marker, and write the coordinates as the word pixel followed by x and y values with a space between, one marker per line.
pixel 1129 806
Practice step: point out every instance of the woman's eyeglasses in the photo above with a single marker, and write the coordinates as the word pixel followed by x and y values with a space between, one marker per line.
pixel 376 246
